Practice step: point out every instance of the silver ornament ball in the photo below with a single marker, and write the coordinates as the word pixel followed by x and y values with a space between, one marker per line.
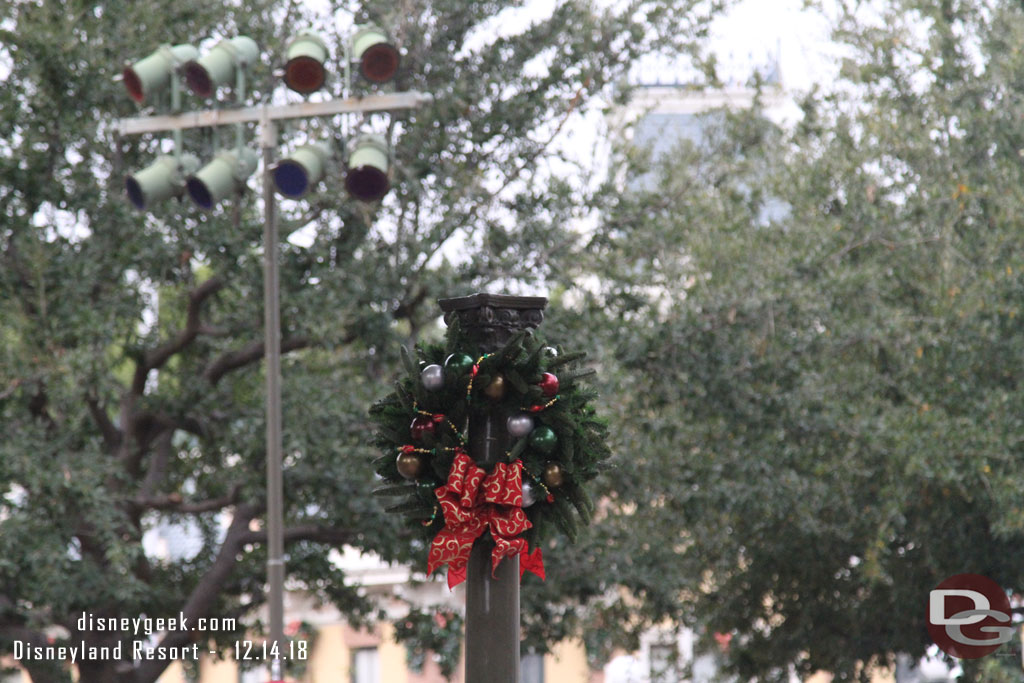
pixel 432 377
pixel 519 425
pixel 550 352
pixel 530 493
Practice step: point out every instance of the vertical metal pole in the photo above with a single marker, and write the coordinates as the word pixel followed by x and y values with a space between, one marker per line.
pixel 240 127
pixel 272 324
pixel 176 108
pixel 348 65
pixel 492 602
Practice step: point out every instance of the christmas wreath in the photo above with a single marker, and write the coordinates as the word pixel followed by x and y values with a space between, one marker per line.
pixel 557 445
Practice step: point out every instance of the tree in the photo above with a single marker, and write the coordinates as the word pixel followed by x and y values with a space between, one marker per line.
pixel 830 395
pixel 130 384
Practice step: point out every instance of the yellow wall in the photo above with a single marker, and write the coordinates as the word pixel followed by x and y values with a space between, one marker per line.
pixel 567 663
pixel 392 657
pixel 218 670
pixel 172 674
pixel 329 657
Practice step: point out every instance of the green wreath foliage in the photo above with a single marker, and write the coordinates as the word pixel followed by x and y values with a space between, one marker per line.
pixel 581 450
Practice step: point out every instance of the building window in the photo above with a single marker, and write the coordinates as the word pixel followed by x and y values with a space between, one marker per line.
pixel 531 668
pixel 366 665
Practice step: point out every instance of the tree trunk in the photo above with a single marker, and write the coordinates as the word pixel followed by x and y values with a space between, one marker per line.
pixel 102 672
pixel 51 672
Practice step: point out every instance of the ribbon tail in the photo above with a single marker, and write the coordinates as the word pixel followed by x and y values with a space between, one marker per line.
pixel 505 547
pixel 531 562
pixel 456 575
pixel 452 547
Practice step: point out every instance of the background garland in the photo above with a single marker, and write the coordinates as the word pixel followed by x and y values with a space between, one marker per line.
pixel 555 432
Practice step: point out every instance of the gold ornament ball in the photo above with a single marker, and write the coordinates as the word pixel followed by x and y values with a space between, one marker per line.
pixel 497 388
pixel 553 475
pixel 410 465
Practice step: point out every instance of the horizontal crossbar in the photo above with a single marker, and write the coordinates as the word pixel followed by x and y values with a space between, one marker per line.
pixel 266 113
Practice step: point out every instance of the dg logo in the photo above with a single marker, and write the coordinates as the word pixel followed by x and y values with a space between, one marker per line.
pixel 969 616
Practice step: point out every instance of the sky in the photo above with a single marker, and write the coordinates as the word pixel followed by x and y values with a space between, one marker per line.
pixel 755 29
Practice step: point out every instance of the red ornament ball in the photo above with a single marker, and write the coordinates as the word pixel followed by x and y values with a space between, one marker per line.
pixel 548 384
pixel 421 425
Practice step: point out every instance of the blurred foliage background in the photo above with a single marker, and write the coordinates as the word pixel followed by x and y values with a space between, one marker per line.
pixel 816 410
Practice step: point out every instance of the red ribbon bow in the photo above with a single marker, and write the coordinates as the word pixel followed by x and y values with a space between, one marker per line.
pixel 472 502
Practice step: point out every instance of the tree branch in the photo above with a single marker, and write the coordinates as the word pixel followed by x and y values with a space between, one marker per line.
pixel 407 308
pixel 37 405
pixel 157 464
pixel 88 539
pixel 24 276
pixel 152 420
pixel 155 358
pixel 11 388
pixel 174 502
pixel 149 427
pixel 306 532
pixel 305 220
pixel 232 360
pixel 111 434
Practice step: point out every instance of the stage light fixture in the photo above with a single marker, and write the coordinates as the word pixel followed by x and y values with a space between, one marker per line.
pixel 221 177
pixel 163 179
pixel 367 176
pixel 152 74
pixel 378 58
pixel 297 174
pixel 304 70
pixel 204 75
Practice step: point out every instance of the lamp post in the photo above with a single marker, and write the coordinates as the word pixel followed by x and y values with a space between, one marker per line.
pixel 492 602
pixel 203 75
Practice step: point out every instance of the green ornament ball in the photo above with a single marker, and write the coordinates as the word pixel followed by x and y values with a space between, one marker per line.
pixel 458 364
pixel 543 439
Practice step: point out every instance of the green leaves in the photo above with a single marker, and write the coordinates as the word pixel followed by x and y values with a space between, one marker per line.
pixel 820 384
